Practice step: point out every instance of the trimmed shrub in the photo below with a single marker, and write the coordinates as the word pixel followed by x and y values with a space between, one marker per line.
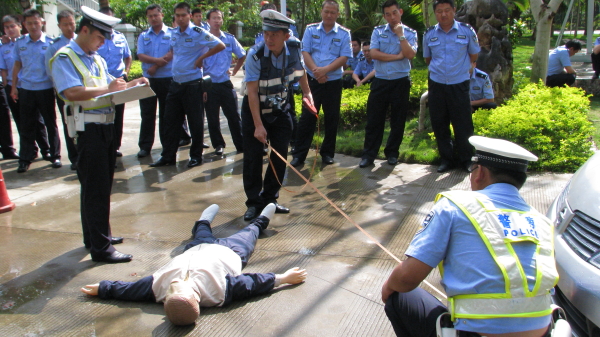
pixel 135 71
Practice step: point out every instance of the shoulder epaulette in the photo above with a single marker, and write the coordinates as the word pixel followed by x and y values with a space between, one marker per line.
pixel 482 75
pixel 410 29
pixel 294 42
pixel 20 37
pixel 198 29
pixel 344 28
pixel 258 34
pixel 380 26
pixel 56 39
pixel 312 24
pixel 430 28
pixel 464 24
pixel 227 33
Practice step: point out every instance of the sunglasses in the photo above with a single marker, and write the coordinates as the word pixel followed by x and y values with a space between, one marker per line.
pixel 473 167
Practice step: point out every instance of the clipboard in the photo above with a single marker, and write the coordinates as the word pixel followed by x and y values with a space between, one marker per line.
pixel 134 93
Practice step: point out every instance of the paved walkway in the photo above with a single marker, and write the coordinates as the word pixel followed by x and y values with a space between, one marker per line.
pixel 44 264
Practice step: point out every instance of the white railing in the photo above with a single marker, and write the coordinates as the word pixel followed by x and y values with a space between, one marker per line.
pixel 76 4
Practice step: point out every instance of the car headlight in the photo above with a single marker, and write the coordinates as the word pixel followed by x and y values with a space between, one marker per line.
pixel 561 205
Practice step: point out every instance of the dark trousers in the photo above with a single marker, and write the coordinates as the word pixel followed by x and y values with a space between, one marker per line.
pixel 329 96
pixel 414 314
pixel 596 63
pixel 160 86
pixel 560 80
pixel 95 169
pixel 41 136
pixel 451 103
pixel 34 103
pixel 279 130
pixel 222 95
pixel 184 100
pixel 348 82
pixel 384 94
pixel 486 106
pixel 71 148
pixel 7 147
pixel 119 116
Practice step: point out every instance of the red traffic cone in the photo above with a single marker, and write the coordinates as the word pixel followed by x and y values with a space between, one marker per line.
pixel 5 204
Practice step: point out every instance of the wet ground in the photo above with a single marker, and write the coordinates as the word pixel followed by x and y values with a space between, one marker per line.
pixel 43 262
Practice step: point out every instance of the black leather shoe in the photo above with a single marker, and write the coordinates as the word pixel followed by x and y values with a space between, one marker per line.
pixel 194 163
pixel 185 142
pixel 444 167
pixel 281 209
pixel 327 160
pixel 143 153
pixel 114 257
pixel 115 240
pixel 251 213
pixel 296 162
pixel 205 146
pixel 46 156
pixel 119 153
pixel 23 167
pixel 392 161
pixel 56 163
pixel 219 150
pixel 11 156
pixel 365 162
pixel 74 167
pixel 162 162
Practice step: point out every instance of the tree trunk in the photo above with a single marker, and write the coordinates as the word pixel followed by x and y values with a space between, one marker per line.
pixel 104 3
pixel 425 7
pixel 543 14
pixel 347 12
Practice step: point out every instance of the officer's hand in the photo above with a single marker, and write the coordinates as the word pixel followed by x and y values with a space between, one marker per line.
pixel 359 83
pixel 5 39
pixel 198 63
pixel 322 79
pixel 152 70
pixel 138 81
pixel 91 289
pixel 399 30
pixel 386 292
pixel 160 62
pixel 14 93
pixel 309 98
pixel 261 134
pixel 319 72
pixel 117 84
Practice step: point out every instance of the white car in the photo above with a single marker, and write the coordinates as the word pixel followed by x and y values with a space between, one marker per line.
pixel 576 215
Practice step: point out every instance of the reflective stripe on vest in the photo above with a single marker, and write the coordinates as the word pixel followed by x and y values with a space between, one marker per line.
pixel 498 229
pixel 87 78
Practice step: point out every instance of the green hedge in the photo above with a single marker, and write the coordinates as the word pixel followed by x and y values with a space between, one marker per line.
pixel 135 71
pixel 550 122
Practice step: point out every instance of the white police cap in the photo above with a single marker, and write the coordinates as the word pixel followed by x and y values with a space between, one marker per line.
pixel 274 21
pixel 103 22
pixel 501 154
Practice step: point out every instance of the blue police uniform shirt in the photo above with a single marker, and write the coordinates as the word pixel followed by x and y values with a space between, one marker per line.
pixel 364 67
pixel 448 235
pixel 294 31
pixel 65 75
pixel 597 42
pixel 33 75
pixel 325 47
pixel 449 52
pixel 481 86
pixel 386 41
pixel 155 45
pixel 7 60
pixel 114 52
pixel 58 43
pixel 253 65
pixel 557 61
pixel 353 61
pixel 218 65
pixel 187 47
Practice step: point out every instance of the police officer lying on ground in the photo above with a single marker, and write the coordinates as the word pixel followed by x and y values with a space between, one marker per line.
pixel 496 251
pixel 207 274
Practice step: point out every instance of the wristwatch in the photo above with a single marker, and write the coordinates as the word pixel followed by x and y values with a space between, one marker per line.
pixel 402 38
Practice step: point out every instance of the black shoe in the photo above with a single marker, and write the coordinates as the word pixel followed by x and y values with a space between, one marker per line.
pixel 281 209
pixel 392 161
pixel 162 162
pixel 205 146
pixel 296 162
pixel 184 142
pixel 114 257
pixel 56 163
pixel 115 240
pixel 365 162
pixel 595 76
pixel 143 153
pixel 74 167
pixel 23 167
pixel 251 213
pixel 327 160
pixel 219 150
pixel 194 162
pixel 445 167
pixel 119 153
pixel 11 156
pixel 46 156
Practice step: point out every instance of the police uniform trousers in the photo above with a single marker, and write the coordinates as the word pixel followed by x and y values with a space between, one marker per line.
pixel 596 63
pixel 279 130
pixel 119 116
pixel 7 146
pixel 184 99
pixel 222 95
pixel 560 80
pixel 451 103
pixel 71 148
pixel 34 103
pixel 160 86
pixel 95 169
pixel 486 106
pixel 41 136
pixel 329 96
pixel 386 94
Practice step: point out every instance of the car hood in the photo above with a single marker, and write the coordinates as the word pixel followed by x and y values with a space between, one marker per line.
pixel 584 192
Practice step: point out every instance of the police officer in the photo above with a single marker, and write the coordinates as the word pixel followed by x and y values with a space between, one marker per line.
pixel 326 48
pixel 66 24
pixel 365 68
pixel 449 48
pixel 271 69
pixel 33 89
pixel 80 75
pixel 495 249
pixel 221 93
pixel 293 28
pixel 481 90
pixel 560 71
pixel 596 58
pixel 117 54
pixel 197 19
pixel 188 44
pixel 6 142
pixel 357 55
pixel 393 46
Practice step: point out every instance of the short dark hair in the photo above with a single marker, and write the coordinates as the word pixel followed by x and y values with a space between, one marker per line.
pixel 154 6
pixel 30 13
pixel 10 18
pixel 183 5
pixel 106 10
pixel 389 3
pixel 64 14
pixel 355 38
pixel 576 45
pixel 439 2
pixel 367 43
pixel 287 9
pixel 515 178
pixel 85 22
pixel 332 3
pixel 268 6
pixel 196 10
pixel 213 10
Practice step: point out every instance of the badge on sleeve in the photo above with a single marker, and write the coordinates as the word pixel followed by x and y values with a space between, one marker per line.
pixel 426 222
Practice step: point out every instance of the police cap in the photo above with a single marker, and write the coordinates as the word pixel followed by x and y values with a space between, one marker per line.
pixel 274 21
pixel 500 153
pixel 104 23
